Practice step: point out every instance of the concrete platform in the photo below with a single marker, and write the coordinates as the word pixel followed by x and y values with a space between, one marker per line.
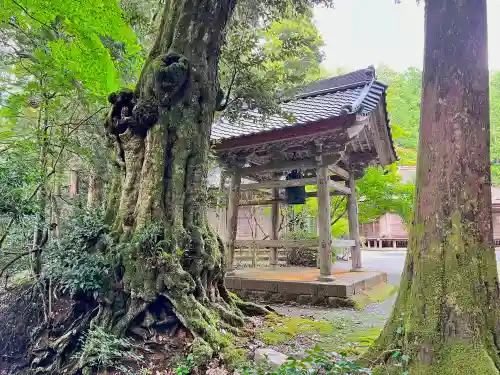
pixel 295 284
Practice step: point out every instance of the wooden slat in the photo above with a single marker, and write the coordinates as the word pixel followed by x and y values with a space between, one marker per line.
pixel 343 243
pixel 262 202
pixel 339 171
pixel 293 183
pixel 279 184
pixel 267 202
pixel 276 243
pixel 290 243
pixel 339 187
pixel 288 165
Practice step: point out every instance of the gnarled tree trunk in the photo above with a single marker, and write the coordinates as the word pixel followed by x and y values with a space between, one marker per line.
pixel 157 204
pixel 447 318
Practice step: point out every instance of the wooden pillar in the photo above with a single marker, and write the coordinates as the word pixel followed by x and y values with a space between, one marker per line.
pixel 275 217
pixel 352 215
pixel 232 214
pixel 325 230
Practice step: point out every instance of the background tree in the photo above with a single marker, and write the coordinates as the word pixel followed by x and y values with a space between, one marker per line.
pixel 446 315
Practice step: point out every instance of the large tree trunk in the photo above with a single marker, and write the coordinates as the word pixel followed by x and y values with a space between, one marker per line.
pixel 157 204
pixel 447 317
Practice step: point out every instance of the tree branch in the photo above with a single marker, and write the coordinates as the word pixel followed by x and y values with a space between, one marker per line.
pixel 333 222
pixel 222 107
pixel 4 236
pixel 15 259
pixel 33 18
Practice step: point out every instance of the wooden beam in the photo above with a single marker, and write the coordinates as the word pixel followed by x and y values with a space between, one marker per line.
pixel 339 187
pixel 289 165
pixel 262 202
pixel 279 184
pixel 234 200
pixel 343 243
pixel 339 171
pixel 293 183
pixel 290 243
pixel 279 166
pixel 276 243
pixel 325 228
pixel 352 216
pixel 282 200
pixel 275 217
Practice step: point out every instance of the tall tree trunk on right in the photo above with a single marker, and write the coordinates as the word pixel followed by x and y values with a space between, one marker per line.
pixel 447 314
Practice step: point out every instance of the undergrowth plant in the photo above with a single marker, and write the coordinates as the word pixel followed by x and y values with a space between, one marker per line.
pixel 315 363
pixel 102 350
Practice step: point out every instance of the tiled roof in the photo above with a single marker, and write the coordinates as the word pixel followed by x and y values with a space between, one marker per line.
pixel 356 92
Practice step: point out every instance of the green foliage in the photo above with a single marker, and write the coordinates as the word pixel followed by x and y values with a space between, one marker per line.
pixel 403 104
pixel 315 362
pixel 185 366
pixel 18 177
pixel 72 42
pixel 74 263
pixel 381 191
pixel 264 61
pixel 102 350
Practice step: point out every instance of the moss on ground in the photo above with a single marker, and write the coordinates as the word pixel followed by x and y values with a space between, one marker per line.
pixel 378 293
pixel 283 329
pixel 341 335
pixel 234 358
pixel 363 338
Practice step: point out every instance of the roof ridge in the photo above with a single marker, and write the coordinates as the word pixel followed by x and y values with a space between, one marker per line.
pixel 370 76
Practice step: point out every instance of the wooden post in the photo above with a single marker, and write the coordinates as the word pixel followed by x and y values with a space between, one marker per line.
pixel 275 217
pixel 325 230
pixel 352 215
pixel 232 213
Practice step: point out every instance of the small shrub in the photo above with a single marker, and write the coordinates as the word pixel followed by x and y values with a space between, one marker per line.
pixel 316 362
pixel 103 350
pixel 302 257
pixel 75 263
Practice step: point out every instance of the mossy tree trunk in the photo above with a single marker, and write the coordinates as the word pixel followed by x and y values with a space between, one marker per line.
pixel 157 202
pixel 446 317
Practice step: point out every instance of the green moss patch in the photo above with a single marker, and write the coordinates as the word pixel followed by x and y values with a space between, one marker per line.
pixel 283 329
pixel 363 339
pixel 378 293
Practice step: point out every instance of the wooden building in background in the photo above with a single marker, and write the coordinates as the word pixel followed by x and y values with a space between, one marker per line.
pixel 389 232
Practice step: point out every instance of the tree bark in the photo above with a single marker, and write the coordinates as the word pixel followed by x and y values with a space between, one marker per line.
pixel 446 317
pixel 95 188
pixel 157 204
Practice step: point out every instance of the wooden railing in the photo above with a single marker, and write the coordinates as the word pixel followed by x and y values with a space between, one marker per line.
pixel 257 252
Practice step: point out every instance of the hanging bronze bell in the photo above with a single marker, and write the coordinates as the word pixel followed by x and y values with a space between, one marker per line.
pixel 297 194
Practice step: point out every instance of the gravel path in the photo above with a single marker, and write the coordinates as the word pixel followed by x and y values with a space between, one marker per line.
pixel 373 315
